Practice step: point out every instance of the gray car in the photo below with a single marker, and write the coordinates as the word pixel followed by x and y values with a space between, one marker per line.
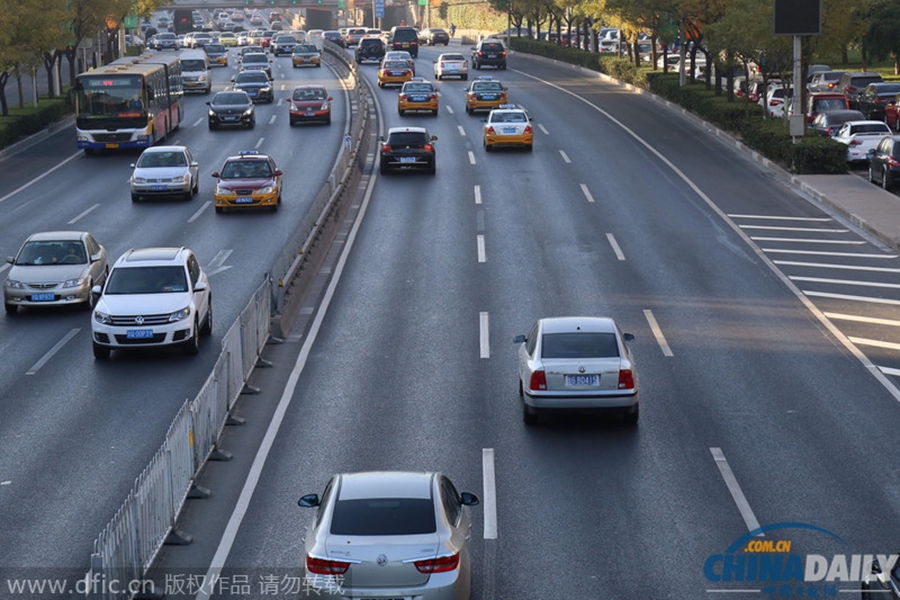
pixel 165 171
pixel 389 534
pixel 577 364
pixel 53 268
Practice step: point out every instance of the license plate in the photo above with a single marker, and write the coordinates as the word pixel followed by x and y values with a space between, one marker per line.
pixel 158 188
pixel 112 145
pixel 489 97
pixel 509 130
pixel 251 94
pixel 397 73
pixel 582 380
pixel 43 297
pixel 139 334
pixel 418 98
pixel 404 45
pixel 229 118
pixel 243 200
pixel 307 59
pixel 309 114
pixel 407 159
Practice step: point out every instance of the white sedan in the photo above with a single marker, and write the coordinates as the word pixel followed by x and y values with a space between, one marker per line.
pixel 577 364
pixel 451 65
pixel 860 137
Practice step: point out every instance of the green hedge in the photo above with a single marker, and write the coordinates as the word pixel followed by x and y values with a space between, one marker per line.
pixel 22 123
pixel 770 137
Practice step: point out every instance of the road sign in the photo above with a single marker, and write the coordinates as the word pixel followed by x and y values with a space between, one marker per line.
pixel 379 9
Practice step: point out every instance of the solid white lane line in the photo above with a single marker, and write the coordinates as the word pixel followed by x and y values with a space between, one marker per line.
pixel 735 489
pixel 565 156
pixel 854 298
pixel 199 212
pixel 657 333
pixel 805 240
pixel 52 351
pixel 615 246
pixel 586 192
pixel 874 343
pixel 824 253
pixel 489 494
pixel 471 157
pixel 477 194
pixel 39 177
pixel 482 257
pixel 544 129
pixel 259 143
pixel 774 218
pixel 462 131
pixel 846 282
pixel 484 338
pixel 780 228
pixel 862 319
pixel 792 263
pixel 83 214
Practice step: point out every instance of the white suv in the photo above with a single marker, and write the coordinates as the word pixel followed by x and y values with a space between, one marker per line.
pixel 153 297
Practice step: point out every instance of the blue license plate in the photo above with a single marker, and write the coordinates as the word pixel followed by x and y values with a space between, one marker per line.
pixel 158 188
pixel 309 114
pixel 509 130
pixel 488 97
pixel 229 118
pixel 418 98
pixel 397 73
pixel 582 380
pixel 139 334
pixel 43 297
pixel 243 200
pixel 407 159
pixel 251 94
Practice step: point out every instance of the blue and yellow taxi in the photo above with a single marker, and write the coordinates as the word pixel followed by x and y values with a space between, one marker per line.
pixel 485 93
pixel 306 55
pixel 394 72
pixel 510 126
pixel 417 94
pixel 248 180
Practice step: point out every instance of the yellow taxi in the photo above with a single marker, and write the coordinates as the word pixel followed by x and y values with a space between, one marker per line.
pixel 228 39
pixel 394 72
pixel 417 94
pixel 247 180
pixel 306 55
pixel 485 93
pixel 508 125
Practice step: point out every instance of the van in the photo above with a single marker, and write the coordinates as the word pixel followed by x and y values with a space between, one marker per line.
pixel 405 38
pixel 195 71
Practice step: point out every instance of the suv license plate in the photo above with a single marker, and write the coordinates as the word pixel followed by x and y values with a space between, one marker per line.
pixel 407 159
pixel 139 334
pixel 582 380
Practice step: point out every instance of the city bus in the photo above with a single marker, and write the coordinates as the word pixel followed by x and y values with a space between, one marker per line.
pixel 133 102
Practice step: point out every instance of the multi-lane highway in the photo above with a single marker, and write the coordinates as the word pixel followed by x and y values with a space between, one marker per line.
pixel 766 345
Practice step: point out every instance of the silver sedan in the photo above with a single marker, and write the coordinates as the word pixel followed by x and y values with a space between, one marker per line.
pixel 388 534
pixel 451 65
pixel 55 267
pixel 575 364
pixel 165 171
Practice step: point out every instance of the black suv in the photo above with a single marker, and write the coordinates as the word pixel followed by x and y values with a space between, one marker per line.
pixel 407 148
pixel 489 52
pixel 369 49
pixel 405 38
pixel 851 84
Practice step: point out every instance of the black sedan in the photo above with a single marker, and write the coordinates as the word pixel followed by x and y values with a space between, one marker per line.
pixel 231 108
pixel 874 97
pixel 829 122
pixel 884 162
pixel 335 36
pixel 256 84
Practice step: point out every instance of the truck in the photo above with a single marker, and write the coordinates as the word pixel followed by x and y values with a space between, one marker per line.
pixel 183 21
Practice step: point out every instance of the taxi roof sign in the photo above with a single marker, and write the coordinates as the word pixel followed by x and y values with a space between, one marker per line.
pixel 485 77
pixel 244 152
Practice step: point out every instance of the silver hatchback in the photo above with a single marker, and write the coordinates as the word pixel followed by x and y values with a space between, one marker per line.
pixel 389 534
pixel 55 267
pixel 165 171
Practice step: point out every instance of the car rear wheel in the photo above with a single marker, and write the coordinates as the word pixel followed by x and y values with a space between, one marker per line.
pixel 401 112
pixel 101 352
pixel 431 168
pixel 871 174
pixel 631 417
pixel 529 414
pixel 886 182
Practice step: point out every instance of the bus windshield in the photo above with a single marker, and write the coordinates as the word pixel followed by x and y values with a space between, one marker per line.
pixel 107 102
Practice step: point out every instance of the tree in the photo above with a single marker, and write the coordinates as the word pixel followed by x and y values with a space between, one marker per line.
pixel 881 40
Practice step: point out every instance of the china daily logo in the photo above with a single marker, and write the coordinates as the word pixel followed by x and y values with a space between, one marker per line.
pixel 770 561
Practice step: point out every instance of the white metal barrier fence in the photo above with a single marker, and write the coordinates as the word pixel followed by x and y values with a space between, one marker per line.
pixel 128 545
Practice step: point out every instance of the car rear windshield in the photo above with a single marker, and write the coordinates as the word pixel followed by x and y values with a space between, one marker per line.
pixel 579 345
pixel 383 516
pixel 864 81
pixel 870 128
pixel 407 138
pixel 405 35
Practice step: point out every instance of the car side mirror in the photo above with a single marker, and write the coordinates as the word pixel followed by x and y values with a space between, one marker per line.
pixel 200 286
pixel 870 153
pixel 96 290
pixel 469 499
pixel 209 103
pixel 434 138
pixel 232 80
pixel 278 172
pixel 195 164
pixel 131 165
pixel 628 337
pixel 309 501
pixel 330 98
pixel 519 339
pixel 96 257
pixel 215 174
pixel 11 260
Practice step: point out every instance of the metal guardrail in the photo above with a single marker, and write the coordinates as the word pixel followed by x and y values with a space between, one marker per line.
pixel 128 545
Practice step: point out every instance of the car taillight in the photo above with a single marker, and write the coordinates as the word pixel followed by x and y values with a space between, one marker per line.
pixel 893 162
pixel 538 381
pixel 880 100
pixel 626 379
pixel 855 143
pixel 473 97
pixel 434 96
pixel 503 53
pixel 830 85
pixel 502 98
pixel 402 97
pixel 385 148
pixel 428 148
pixel 849 88
pixel 491 130
pixel 324 566
pixel 382 72
pixel 528 129
pixel 438 565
